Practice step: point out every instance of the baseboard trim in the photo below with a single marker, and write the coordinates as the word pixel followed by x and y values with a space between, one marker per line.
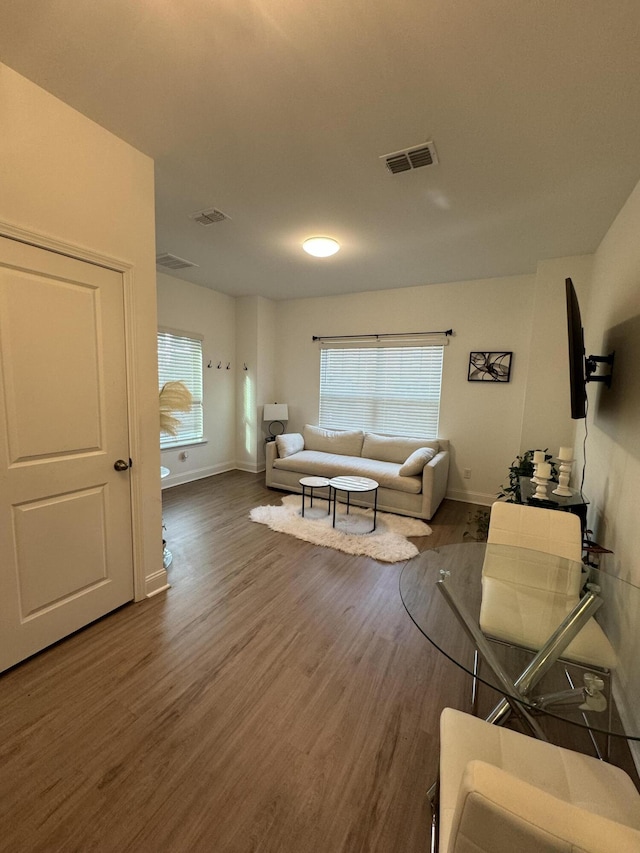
pixel 197 474
pixel 156 583
pixel 250 467
pixel 471 497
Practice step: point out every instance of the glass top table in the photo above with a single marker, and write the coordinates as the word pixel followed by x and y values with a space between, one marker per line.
pixel 576 502
pixel 533 616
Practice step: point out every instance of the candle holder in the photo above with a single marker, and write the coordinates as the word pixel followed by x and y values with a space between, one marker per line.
pixel 541 488
pixel 538 458
pixel 563 478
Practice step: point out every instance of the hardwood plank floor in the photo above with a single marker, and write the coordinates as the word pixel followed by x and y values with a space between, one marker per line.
pixel 276 698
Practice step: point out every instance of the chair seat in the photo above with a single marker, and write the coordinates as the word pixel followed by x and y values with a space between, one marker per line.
pixel 527 617
pixel 580 803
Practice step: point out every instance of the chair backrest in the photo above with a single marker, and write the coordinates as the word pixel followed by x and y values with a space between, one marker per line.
pixel 536 528
pixel 497 812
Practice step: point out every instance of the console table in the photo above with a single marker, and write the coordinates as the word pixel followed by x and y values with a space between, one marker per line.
pixel 576 504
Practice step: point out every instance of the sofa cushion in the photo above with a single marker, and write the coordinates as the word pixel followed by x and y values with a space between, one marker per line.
pixel 318 464
pixel 416 462
pixel 348 442
pixel 393 448
pixel 288 443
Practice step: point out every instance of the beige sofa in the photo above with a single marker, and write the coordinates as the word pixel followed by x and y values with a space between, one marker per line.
pixel 412 472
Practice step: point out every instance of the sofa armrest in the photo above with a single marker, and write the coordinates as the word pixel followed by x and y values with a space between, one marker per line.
pixel 435 476
pixel 271 454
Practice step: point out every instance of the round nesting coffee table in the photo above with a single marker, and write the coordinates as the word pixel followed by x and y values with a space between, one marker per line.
pixel 312 483
pixel 349 485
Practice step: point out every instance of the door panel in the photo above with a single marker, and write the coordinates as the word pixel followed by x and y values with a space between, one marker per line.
pixel 65 513
pixel 73 526
pixel 57 373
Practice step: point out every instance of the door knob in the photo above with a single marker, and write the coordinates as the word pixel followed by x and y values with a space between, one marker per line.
pixel 120 465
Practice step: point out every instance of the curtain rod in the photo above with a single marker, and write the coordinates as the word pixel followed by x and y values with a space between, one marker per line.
pixel 387 335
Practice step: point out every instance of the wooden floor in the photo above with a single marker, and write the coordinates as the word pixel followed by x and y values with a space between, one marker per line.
pixel 277 698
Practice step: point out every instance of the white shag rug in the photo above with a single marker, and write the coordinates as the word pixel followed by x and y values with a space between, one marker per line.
pixel 388 543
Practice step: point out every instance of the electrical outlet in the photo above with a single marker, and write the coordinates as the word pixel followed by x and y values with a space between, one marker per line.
pixel 466 473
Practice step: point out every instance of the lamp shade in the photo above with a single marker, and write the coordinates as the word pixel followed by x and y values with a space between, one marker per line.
pixel 275 412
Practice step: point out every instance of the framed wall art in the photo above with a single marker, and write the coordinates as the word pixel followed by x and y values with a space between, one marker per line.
pixel 489 366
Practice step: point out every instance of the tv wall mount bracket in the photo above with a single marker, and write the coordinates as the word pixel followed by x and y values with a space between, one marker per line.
pixel 591 363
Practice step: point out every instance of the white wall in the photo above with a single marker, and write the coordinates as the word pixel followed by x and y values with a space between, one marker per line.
pixel 190 308
pixel 487 424
pixel 612 478
pixel 613 446
pixel 65 179
pixel 546 420
pixel 247 397
pixel 266 370
pixel 483 421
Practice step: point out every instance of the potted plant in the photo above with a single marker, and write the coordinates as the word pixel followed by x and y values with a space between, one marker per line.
pixel 477 525
pixel 522 466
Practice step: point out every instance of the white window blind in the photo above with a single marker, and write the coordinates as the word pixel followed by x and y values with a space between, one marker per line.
pixel 393 390
pixel 180 360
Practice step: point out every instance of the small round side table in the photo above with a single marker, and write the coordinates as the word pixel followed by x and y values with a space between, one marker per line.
pixel 312 483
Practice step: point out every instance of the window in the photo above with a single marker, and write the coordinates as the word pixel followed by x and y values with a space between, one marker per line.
pixel 180 359
pixel 388 389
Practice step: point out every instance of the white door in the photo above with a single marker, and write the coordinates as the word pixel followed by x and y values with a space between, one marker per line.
pixel 65 512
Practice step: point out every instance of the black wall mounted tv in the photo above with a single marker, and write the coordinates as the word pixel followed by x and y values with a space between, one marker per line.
pixel 575 335
pixel 581 368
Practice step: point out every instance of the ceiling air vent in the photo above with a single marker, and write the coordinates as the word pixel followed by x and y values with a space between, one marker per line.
pixel 208 217
pixel 172 262
pixel 411 158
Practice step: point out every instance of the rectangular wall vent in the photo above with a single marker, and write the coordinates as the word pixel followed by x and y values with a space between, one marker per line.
pixel 173 262
pixel 208 217
pixel 411 158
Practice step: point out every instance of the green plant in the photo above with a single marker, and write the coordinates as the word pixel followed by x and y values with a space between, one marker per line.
pixel 479 521
pixel 522 466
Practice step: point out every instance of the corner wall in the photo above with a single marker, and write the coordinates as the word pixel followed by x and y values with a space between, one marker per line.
pixel 255 349
pixel 612 474
pixel 190 308
pixel 65 179
pixel 546 417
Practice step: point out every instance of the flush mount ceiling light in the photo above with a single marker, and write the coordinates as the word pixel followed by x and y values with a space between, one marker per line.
pixel 321 247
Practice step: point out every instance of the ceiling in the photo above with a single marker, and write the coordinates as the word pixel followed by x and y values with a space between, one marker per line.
pixel 276 112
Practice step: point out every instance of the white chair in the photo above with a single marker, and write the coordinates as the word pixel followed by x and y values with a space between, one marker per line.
pixel 523 599
pixel 503 792
pixel 536 528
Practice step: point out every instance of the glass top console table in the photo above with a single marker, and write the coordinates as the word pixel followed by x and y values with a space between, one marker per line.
pixel 575 503
pixel 554 615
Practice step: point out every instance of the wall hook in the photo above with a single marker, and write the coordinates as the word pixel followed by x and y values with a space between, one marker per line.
pixel 244 366
pixel 219 365
pixel 209 365
pixel 228 365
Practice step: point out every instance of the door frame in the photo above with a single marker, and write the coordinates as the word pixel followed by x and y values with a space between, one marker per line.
pixel 41 241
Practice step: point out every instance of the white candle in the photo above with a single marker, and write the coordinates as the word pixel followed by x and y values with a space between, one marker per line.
pixel 538 457
pixel 544 470
pixel 566 454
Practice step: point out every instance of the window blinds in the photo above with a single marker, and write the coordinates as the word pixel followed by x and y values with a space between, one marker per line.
pixel 180 360
pixel 393 390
